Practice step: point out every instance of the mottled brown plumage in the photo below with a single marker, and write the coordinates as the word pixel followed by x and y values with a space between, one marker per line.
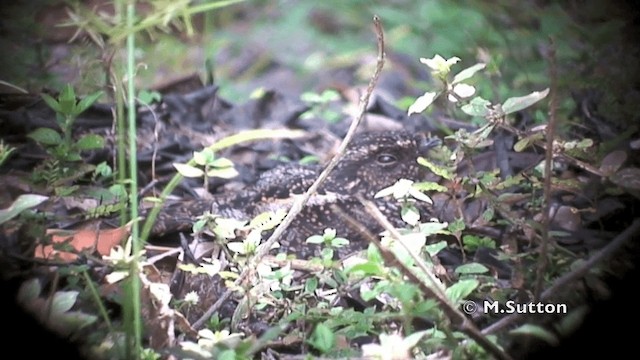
pixel 373 161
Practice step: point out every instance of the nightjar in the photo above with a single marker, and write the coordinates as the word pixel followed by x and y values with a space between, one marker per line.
pixel 372 162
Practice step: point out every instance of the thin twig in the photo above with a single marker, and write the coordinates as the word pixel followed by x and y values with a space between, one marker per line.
pixel 561 283
pixel 453 314
pixel 553 101
pixel 300 202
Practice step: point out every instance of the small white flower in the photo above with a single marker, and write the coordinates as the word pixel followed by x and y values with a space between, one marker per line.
pixel 192 298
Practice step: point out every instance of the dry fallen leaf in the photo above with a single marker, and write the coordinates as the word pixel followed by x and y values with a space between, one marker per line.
pixel 81 240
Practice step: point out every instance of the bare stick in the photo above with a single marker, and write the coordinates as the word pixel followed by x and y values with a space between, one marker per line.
pixel 561 283
pixel 453 314
pixel 542 260
pixel 299 203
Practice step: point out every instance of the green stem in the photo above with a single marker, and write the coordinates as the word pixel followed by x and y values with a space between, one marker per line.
pixel 96 297
pixel 135 319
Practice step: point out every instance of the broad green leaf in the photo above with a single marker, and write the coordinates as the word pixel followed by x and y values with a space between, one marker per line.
pixel 29 291
pixel 613 161
pixel 147 97
pixel 410 215
pixel 572 321
pixel 434 249
pixel 267 220
pixel 23 202
pixel 46 136
pixel 422 103
pixel 188 170
pixel 471 268
pixel 463 91
pixel 85 103
pixel 203 157
pixel 76 320
pixel 222 163
pixel 627 178
pixel 433 227
pixel 461 289
pixel 430 185
pixel 315 239
pixel 323 339
pixel 90 141
pixel 436 169
pixel 536 331
pixel 477 107
pixel 367 269
pixel 63 301
pixel 467 73
pixel 311 284
pixel 67 100
pixel 514 104
pixel 53 103
pixel 524 143
pixel 223 173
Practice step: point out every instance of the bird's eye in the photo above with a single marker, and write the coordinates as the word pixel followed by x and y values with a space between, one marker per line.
pixel 386 159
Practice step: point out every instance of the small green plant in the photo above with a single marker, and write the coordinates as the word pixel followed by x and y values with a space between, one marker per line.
pixel 321 105
pixel 330 241
pixel 64 150
pixel 61 145
pixel 57 313
pixel 208 165
pixel 5 152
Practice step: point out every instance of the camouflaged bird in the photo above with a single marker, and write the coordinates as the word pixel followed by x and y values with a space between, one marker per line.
pixel 372 162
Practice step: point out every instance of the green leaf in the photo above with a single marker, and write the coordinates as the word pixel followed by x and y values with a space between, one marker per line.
pixel 90 142
pixel 514 104
pixel 76 320
pixel 267 220
pixel 222 163
pixel 536 331
pixel 422 103
pixel 467 73
pixel 29 291
pixel 430 185
pixel 471 268
pixel 368 268
pixel 67 100
pixel 53 103
pixel 311 285
pixel 146 97
pixel 461 289
pixel 436 169
pixel 433 227
pixel 203 157
pixel 434 249
pixel 524 143
pixel 223 173
pixel 23 202
pixel 188 170
pixel 315 239
pixel 612 162
pixel 63 301
pixel 410 214
pixel 323 339
pixel 85 103
pixel 477 107
pixel 339 242
pixel 628 178
pixel 46 136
